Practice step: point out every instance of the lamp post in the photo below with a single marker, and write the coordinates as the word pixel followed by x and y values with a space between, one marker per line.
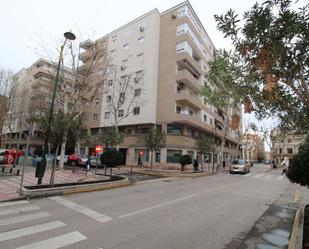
pixel 40 171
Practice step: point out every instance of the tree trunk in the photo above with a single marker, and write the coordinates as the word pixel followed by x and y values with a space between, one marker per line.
pixel 151 160
pixel 63 145
pixel 78 146
pixel 24 165
pixel 52 175
pixel 202 165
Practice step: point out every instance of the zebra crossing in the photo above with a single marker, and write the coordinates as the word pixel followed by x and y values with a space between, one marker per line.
pixel 21 220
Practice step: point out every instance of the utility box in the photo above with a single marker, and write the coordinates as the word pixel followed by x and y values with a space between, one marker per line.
pixel 40 169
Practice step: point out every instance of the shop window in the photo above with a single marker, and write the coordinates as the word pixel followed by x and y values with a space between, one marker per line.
pixel 173 156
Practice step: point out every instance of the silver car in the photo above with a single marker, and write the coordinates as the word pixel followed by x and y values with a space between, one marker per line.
pixel 240 166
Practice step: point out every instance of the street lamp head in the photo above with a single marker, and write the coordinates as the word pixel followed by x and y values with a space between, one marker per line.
pixel 69 36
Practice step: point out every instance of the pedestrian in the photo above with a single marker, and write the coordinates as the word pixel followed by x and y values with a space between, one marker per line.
pixel 285 166
pixel 195 165
pixel 139 162
pixel 88 163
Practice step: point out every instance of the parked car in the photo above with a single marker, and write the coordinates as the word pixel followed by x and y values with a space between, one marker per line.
pixel 77 160
pixel 240 166
pixel 95 161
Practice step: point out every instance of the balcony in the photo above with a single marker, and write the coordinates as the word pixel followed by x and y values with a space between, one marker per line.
pixel 85 56
pixel 188 99
pixel 43 72
pixel 185 60
pixel 186 77
pixel 196 51
pixel 86 44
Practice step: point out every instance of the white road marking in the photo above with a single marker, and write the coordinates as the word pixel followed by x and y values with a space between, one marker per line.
pixel 23 218
pixel 82 209
pixel 270 177
pixel 259 175
pixel 12 203
pixel 57 242
pixel 157 206
pixel 30 230
pixel 18 210
pixel 279 177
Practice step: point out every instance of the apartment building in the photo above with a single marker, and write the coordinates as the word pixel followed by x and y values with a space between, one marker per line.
pixel 285 144
pixel 162 59
pixel 31 96
pixel 170 50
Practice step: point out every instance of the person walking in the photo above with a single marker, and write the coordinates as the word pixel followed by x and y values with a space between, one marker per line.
pixel 88 164
pixel 139 162
pixel 285 166
pixel 195 165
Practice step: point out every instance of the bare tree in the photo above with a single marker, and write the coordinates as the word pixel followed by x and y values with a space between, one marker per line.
pixel 123 95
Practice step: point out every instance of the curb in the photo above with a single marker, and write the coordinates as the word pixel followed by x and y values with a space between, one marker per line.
pixel 66 190
pixel 174 174
pixel 292 241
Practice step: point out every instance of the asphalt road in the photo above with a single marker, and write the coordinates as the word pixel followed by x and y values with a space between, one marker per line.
pixel 199 213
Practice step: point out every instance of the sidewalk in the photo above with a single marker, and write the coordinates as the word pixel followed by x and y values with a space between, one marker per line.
pixel 9 184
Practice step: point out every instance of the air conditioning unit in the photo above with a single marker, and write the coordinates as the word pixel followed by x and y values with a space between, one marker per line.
pixel 174 15
pixel 123 68
pixel 141 28
pixel 136 80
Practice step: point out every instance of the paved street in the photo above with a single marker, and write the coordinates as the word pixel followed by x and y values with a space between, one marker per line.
pixel 206 212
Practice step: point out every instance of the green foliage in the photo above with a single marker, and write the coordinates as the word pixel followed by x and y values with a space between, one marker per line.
pixel 204 143
pixel 299 165
pixel 269 62
pixel 111 158
pixel 184 160
pixel 154 139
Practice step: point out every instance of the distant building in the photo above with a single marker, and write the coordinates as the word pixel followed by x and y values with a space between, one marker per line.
pixel 253 148
pixel 285 144
pixel 3 111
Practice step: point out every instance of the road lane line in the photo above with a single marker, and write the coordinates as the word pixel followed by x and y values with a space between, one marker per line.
pixel 13 203
pixel 157 206
pixel 30 230
pixel 23 218
pixel 56 242
pixel 81 209
pixel 18 210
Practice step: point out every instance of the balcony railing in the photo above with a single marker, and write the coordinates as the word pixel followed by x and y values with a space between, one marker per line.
pixel 186 77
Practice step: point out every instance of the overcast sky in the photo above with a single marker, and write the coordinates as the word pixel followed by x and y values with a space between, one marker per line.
pixel 26 23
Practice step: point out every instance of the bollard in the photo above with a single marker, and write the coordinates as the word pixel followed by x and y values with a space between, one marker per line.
pixel 17 173
pixel 2 169
pixel 11 170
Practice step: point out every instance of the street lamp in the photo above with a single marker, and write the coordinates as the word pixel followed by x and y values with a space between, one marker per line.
pixel 41 169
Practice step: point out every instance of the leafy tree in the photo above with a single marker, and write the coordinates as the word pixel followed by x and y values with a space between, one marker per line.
pixel 268 66
pixel 111 158
pixel 204 145
pixel 153 140
pixel 299 166
pixel 185 160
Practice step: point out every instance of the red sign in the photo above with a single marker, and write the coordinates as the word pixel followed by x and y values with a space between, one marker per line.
pixel 99 149
pixel 140 153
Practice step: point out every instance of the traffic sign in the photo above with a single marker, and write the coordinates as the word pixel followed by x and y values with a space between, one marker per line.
pixel 99 149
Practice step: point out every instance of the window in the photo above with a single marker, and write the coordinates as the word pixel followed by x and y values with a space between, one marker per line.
pixel 95 116
pixel 280 150
pixel 141 40
pixel 142 130
pixel 178 109
pixel 120 113
pixel 137 92
pixel 139 74
pixel 124 61
pixel 174 129
pixel 123 80
pixel 113 52
pixel 190 153
pixel 158 156
pixel 109 99
pixel 205 101
pixel 173 156
pixel 110 82
pixel 114 38
pixel 97 102
pixel 290 150
pixel 190 132
pixel 210 121
pixel 205 118
pixel 126 46
pixel 140 57
pixel 136 110
pixel 121 98
pixel 107 115
pixel 94 131
pixel 191 113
